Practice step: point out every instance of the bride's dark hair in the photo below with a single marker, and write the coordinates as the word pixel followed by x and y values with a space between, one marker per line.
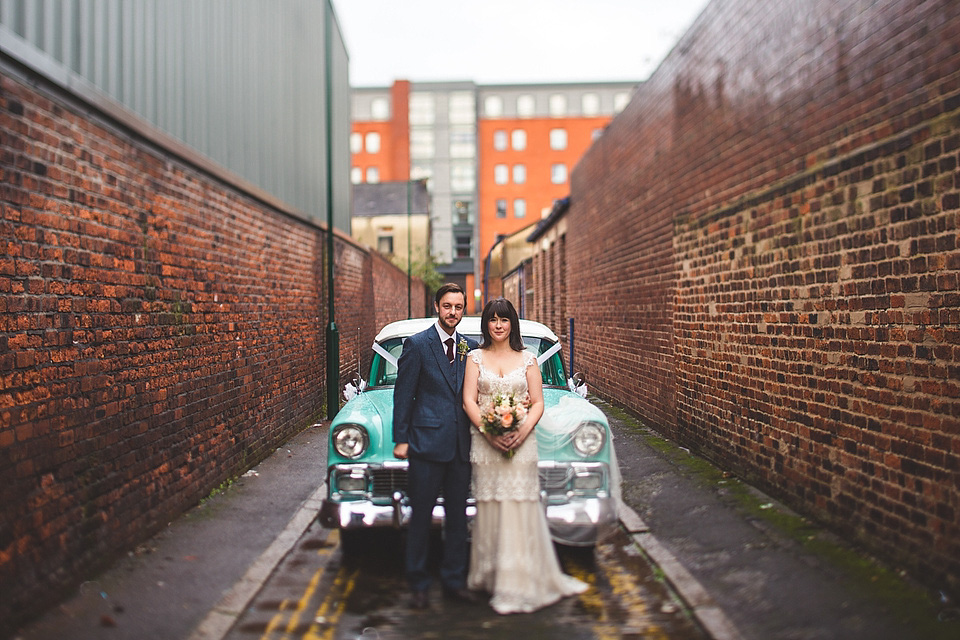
pixel 502 308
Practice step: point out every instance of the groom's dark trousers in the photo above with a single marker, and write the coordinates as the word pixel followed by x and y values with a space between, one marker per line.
pixel 428 415
pixel 425 480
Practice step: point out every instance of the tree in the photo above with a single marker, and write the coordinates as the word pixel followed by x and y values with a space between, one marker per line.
pixel 423 266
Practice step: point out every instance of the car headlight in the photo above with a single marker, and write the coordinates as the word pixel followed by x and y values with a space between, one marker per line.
pixel 350 440
pixel 589 439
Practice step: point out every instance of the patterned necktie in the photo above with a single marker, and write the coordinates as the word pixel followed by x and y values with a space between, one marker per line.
pixel 449 342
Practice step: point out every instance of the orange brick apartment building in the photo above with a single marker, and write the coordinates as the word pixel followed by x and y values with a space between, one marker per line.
pixel 496 157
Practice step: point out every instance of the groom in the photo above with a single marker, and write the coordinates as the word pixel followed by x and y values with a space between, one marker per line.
pixel 431 430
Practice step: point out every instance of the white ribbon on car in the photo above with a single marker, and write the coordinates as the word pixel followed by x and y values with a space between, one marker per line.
pixel 386 355
pixel 549 352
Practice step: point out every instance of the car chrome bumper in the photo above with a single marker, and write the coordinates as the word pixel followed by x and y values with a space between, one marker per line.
pixel 365 514
pixel 581 522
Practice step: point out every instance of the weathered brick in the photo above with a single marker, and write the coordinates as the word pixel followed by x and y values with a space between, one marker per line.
pixel 697 255
pixel 160 332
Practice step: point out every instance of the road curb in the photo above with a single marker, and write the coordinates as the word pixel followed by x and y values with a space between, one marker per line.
pixel 225 613
pixel 704 609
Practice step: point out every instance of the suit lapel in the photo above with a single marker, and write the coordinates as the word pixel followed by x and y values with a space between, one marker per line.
pixel 459 364
pixel 449 372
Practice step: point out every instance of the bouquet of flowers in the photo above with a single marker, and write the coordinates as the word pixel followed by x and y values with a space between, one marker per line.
pixel 503 413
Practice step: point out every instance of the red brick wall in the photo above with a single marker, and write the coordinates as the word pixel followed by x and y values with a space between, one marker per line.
pixel 390 298
pixel 763 261
pixel 160 332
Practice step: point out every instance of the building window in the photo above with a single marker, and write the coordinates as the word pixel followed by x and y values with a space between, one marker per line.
pixel 463 142
pixel 380 109
pixel 373 175
pixel 620 101
pixel 501 208
pixel 519 173
pixel 422 109
pixel 462 175
pixel 500 140
pixel 558 173
pixel 356 142
pixel 501 174
pixel 590 104
pixel 461 212
pixel 372 142
pixel 462 108
pixel 519 208
pixel 463 248
pixel 526 106
pixel 421 144
pixel 518 139
pixel 356 175
pixel 558 105
pixel 385 245
pixel 558 139
pixel 493 106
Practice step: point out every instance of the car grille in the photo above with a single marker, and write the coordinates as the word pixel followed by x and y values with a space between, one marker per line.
pixel 386 481
pixel 553 479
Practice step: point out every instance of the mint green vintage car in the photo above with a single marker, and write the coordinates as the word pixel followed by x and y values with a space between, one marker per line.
pixel 366 485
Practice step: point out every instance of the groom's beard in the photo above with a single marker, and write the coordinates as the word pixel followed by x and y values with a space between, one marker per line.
pixel 451 321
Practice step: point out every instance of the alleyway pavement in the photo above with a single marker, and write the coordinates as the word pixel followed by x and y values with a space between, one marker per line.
pixel 745 565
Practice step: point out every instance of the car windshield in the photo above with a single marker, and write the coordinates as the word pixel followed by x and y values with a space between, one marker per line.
pixel 384 374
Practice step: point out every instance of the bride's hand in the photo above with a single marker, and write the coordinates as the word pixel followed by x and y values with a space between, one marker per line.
pixel 511 440
pixel 500 443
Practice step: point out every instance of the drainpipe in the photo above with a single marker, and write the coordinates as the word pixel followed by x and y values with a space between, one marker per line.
pixel 333 335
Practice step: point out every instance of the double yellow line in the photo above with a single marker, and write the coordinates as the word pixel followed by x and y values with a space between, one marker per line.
pixel 628 593
pixel 327 615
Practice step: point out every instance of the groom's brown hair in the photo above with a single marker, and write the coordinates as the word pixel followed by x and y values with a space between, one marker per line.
pixel 450 287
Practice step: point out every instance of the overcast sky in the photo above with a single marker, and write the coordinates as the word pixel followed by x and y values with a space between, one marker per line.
pixel 510 41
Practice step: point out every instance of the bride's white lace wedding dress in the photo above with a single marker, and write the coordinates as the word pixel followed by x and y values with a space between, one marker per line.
pixel 512 556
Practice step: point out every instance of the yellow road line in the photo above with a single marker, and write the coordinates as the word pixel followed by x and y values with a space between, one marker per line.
pixel 275 620
pixel 628 593
pixel 339 594
pixel 304 600
pixel 593 601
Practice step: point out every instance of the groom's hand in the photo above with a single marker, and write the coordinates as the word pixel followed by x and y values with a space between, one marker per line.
pixel 400 450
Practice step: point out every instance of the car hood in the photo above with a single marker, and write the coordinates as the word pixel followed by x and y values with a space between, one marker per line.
pixel 373 410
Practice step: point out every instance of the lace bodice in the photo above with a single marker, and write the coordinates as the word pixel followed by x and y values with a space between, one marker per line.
pixel 496 477
pixel 490 384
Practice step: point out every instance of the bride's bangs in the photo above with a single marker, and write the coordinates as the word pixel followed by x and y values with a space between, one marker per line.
pixel 499 308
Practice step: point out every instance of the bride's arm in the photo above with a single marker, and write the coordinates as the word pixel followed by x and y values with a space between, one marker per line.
pixel 535 412
pixel 470 392
pixel 471 395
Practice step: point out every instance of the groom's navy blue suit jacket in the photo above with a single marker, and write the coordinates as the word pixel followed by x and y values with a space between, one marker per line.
pixel 427 408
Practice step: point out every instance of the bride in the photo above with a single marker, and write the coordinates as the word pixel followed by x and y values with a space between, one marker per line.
pixel 512 556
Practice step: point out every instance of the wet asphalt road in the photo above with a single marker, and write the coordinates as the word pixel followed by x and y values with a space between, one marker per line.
pixel 318 592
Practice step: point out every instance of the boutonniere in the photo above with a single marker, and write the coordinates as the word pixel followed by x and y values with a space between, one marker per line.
pixel 462 348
